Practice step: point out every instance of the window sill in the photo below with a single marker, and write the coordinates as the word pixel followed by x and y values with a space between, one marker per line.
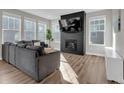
pixel 102 45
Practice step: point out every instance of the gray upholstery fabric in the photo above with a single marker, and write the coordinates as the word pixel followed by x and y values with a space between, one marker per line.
pixel 48 64
pixel 23 43
pixel 29 61
pixel 5 52
pixel 36 67
pixel 39 49
pixel 12 49
pixel 26 61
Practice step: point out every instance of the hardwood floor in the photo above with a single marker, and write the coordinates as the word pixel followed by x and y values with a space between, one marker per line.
pixel 74 69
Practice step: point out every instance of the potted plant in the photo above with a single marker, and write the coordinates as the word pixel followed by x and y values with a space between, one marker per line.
pixel 49 36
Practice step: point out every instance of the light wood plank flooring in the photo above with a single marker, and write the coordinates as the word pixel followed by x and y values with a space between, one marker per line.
pixel 74 69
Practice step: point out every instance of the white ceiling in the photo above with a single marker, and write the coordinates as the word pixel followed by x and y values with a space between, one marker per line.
pixel 55 13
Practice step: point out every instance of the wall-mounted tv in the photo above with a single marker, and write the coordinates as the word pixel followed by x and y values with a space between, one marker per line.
pixel 71 25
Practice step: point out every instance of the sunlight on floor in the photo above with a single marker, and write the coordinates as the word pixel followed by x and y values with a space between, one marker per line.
pixel 68 73
pixel 4 80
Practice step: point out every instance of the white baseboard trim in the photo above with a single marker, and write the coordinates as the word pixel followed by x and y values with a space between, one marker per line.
pixel 97 54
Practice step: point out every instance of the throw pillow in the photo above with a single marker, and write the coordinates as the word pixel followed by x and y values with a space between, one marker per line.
pixel 37 44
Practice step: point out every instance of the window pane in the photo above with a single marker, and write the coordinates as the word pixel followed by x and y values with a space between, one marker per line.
pixel 97 37
pixel 29 29
pixel 25 26
pixel 93 37
pixel 28 35
pixel 96 22
pixel 101 27
pixel 10 28
pixel 33 25
pixel 41 32
pixel 97 27
pixel 5 22
pixel 11 36
pixel 97 31
pixel 101 21
pixel 41 36
pixel 11 23
pixel 100 38
pixel 17 24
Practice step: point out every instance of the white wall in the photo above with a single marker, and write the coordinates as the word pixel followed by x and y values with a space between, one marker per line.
pixel 22 14
pixel 120 37
pixel 99 50
pixel 55 43
pixel 115 16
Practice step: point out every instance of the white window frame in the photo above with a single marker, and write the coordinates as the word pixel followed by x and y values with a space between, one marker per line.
pixel 45 24
pixel 97 18
pixel 53 28
pixel 56 42
pixel 33 20
pixel 11 16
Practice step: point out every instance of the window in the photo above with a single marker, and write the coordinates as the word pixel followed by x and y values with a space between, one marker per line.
pixel 11 28
pixel 56 34
pixel 97 29
pixel 41 31
pixel 29 29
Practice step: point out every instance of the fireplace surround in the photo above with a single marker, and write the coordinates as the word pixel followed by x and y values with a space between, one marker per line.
pixel 74 42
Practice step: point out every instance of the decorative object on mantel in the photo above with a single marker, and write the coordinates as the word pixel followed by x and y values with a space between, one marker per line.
pixel 117 22
pixel 49 36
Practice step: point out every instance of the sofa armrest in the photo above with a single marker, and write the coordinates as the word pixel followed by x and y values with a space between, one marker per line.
pixel 5 52
pixel 27 61
pixel 48 64
pixel 12 55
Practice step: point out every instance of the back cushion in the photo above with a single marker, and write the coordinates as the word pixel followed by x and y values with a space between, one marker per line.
pixel 40 50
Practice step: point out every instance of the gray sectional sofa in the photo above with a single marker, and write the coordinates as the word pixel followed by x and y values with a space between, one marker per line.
pixel 5 51
pixel 32 61
pixel 12 54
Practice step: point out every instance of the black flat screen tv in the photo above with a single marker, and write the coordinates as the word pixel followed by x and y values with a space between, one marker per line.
pixel 71 25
